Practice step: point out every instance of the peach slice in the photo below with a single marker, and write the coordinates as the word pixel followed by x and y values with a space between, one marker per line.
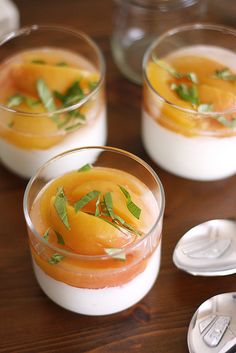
pixel 222 100
pixel 89 235
pixel 204 69
pixel 57 78
pixel 161 81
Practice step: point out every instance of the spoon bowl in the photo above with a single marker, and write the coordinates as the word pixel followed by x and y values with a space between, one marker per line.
pixel 213 326
pixel 208 249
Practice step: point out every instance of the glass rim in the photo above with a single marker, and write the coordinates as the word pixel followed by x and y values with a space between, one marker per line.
pixel 159 5
pixel 173 31
pixel 93 257
pixel 70 31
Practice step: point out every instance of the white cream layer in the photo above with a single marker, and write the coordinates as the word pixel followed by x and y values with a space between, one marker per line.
pixel 100 301
pixel 201 157
pixel 26 162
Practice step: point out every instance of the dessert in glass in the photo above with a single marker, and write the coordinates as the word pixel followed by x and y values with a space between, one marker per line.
pixel 189 104
pixel 95 231
pixel 51 96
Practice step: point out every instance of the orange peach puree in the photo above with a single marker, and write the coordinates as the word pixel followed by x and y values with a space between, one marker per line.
pixel 221 94
pixel 90 235
pixel 19 75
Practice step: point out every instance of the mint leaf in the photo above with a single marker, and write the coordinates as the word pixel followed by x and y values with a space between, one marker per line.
pixel 38 61
pixel 134 209
pixel 10 124
pixel 92 85
pixel 85 168
pixel 60 206
pixel 191 76
pixel 86 199
pixel 72 96
pixel 204 108
pixel 45 95
pixel 228 123
pixel 55 259
pixel 97 210
pixel 61 63
pixel 15 100
pixel 60 239
pixel 189 94
pixel 46 234
pixel 109 205
pixel 225 74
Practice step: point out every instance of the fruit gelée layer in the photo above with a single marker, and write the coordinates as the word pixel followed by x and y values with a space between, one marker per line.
pixel 94 212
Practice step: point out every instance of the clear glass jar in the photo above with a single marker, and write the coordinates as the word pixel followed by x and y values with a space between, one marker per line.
pixel 138 22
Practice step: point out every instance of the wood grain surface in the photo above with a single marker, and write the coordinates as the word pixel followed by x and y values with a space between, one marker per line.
pixel 29 321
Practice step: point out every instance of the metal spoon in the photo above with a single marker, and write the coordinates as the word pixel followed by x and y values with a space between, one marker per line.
pixel 209 249
pixel 213 326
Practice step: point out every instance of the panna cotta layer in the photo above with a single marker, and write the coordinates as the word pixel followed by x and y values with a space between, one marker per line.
pixel 26 162
pixel 198 157
pixel 102 301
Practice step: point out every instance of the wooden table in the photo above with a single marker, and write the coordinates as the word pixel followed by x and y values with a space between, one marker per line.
pixel 29 321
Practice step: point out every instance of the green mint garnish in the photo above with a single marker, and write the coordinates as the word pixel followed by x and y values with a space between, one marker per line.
pixel 31 102
pixel 15 100
pixel 189 94
pixel 204 108
pixel 10 124
pixel 72 96
pixel 97 209
pixel 61 63
pixel 225 74
pixel 120 221
pixel 73 127
pixel 92 85
pixel 85 168
pixel 46 234
pixel 38 61
pixel 228 123
pixel 45 95
pixel 113 251
pixel 191 76
pixel 55 259
pixel 109 205
pixel 60 206
pixel 86 199
pixel 60 239
pixel 134 209
pixel 103 209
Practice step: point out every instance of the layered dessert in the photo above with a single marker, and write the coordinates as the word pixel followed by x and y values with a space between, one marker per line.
pixel 52 100
pixel 189 112
pixel 97 249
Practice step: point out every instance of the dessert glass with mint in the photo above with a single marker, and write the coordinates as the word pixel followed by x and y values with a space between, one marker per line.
pixel 95 230
pixel 51 96
pixel 189 101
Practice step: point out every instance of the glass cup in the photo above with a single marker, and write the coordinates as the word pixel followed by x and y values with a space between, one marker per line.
pixel 137 23
pixel 96 284
pixel 195 136
pixel 51 96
